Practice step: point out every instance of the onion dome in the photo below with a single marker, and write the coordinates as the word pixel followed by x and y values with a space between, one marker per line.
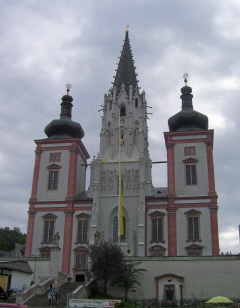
pixel 187 119
pixel 64 127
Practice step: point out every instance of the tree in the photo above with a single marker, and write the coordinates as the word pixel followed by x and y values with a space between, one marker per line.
pixel 9 237
pixel 107 261
pixel 127 278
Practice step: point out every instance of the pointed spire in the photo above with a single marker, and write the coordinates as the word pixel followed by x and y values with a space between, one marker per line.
pixel 126 70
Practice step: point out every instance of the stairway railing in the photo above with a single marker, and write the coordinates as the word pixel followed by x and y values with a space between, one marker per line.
pixel 23 297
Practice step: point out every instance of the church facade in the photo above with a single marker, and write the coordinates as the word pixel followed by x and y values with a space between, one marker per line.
pixel 177 220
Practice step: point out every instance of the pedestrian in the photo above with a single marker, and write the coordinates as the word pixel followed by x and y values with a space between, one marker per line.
pixel 57 297
pixel 51 295
pixel 49 299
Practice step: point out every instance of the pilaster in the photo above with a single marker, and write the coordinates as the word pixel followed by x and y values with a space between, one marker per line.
pixel 38 153
pixel 211 178
pixel 172 231
pixel 72 173
pixel 30 230
pixel 171 168
pixel 214 230
pixel 67 242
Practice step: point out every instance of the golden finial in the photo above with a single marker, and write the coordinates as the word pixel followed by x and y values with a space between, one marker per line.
pixel 68 86
pixel 127 26
pixel 185 76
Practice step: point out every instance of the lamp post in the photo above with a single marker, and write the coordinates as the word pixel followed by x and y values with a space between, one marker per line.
pixel 133 297
pixel 35 256
pixel 181 291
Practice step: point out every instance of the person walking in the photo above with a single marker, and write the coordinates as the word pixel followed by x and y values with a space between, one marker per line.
pixel 49 299
pixel 57 297
pixel 51 295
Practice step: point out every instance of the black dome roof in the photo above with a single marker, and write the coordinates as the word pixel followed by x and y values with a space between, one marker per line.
pixel 64 127
pixel 187 119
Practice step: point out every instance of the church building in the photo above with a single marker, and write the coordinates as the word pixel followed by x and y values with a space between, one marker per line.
pixel 177 220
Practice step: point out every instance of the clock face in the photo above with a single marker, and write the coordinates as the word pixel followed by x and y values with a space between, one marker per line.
pixel 122 142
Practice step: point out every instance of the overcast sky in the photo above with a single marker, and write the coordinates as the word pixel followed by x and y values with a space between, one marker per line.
pixel 47 44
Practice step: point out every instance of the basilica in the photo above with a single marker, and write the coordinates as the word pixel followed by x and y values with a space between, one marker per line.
pixel 179 220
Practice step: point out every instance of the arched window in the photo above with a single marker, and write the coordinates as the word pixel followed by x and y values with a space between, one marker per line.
pixel 115 230
pixel 123 111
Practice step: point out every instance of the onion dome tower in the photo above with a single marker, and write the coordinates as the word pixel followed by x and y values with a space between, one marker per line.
pixel 187 119
pixel 64 127
pixel 191 182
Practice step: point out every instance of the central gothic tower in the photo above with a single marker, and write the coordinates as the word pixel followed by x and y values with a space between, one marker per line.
pixel 124 119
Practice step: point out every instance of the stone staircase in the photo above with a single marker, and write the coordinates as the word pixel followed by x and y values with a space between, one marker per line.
pixel 42 300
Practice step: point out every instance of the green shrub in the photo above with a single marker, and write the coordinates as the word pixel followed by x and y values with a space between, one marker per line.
pixel 123 305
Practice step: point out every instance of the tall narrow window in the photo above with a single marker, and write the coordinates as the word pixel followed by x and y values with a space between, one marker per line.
pixel 193 228
pixel 53 176
pixel 48 232
pixel 136 103
pixel 191 175
pixel 123 111
pixel 190 171
pixel 115 230
pixel 157 230
pixel 48 228
pixel 82 228
pixel 157 218
pixel 82 231
pixel 123 237
pixel 53 180
pixel 193 225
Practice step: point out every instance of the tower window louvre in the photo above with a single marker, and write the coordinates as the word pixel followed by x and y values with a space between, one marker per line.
pixel 55 157
pixel 123 111
pixel 190 151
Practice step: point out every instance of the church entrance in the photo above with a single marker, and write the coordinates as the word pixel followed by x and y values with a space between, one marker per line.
pixel 169 292
pixel 80 278
pixel 169 295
